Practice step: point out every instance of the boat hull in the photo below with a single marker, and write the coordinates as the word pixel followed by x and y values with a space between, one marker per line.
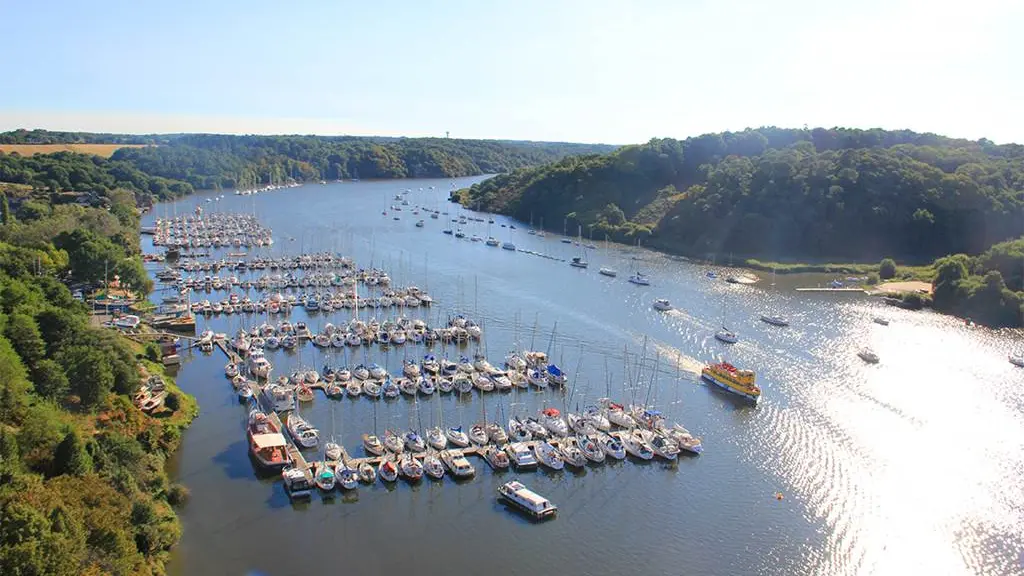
pixel 725 386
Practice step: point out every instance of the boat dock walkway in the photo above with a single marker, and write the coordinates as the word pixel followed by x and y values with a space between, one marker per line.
pixel 824 289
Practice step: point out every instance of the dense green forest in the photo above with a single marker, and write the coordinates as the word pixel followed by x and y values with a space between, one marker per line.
pixel 82 482
pixel 180 163
pixel 781 194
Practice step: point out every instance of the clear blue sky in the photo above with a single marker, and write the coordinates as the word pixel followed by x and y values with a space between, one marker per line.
pixel 589 71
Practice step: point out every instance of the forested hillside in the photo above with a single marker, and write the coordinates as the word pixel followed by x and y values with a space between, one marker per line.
pixel 782 194
pixel 208 161
pixel 82 482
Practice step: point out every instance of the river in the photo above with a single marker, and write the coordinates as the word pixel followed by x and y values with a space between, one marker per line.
pixel 909 466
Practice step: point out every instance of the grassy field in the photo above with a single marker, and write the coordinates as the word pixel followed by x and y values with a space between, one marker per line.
pixel 104 150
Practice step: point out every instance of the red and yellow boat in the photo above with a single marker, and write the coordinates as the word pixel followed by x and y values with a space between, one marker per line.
pixel 732 379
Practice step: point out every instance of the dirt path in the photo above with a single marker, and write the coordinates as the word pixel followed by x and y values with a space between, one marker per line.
pixel 909 286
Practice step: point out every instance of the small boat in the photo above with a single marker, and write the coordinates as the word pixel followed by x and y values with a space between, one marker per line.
pixel 231 370
pixel 448 368
pixel 610 272
pixel 432 466
pixel 580 424
pixel 880 320
pixel 414 442
pixel 390 389
pixel 436 438
pixel 520 454
pixel 304 434
pixel 426 386
pixel 551 418
pixel 611 446
pixel 639 279
pixel 366 473
pixel 547 455
pixel 355 388
pixel 492 241
pixel 393 442
pixel 684 439
pixel 496 457
pixel 445 384
pixel 245 393
pixel 578 262
pixel 517 432
pixel 388 471
pixel 372 389
pixel 407 386
pixel 727 336
pixel 347 477
pixel 1016 359
pixel 410 468
pixel 478 434
pixel 527 500
pixel 457 463
pixel 377 372
pixel 496 433
pixel 508 246
pixel 332 451
pixel 636 446
pixel 661 446
pixel 662 305
pixel 463 384
pixel 868 356
pixel 774 320
pixel 411 369
pixel 535 428
pixel 457 437
pixel 304 393
pixel 324 477
pixel 296 485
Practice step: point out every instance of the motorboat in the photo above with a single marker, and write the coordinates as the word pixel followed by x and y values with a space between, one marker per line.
pixel 590 449
pixel 266 443
pixel 496 457
pixel 732 379
pixel 304 434
pixel 662 305
pixel 547 455
pixel 410 468
pixel 258 364
pixel 457 463
pixel 684 439
pixel 578 262
pixel 432 466
pixel 727 336
pixel 296 485
pixel 436 438
pixel 414 442
pixel 606 271
pixel 496 433
pixel 867 355
pixel 636 446
pixel 774 320
pixel 551 418
pixel 521 455
pixel 281 398
pixel 388 471
pixel 245 393
pixel 457 437
pixel 880 320
pixel 611 446
pixel 527 500
pixel 393 442
pixel 478 434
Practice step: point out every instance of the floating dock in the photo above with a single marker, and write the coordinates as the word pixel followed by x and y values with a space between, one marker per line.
pixel 841 290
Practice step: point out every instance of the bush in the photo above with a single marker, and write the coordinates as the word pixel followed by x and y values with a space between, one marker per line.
pixel 873 278
pixel 152 352
pixel 173 402
pixel 887 269
pixel 177 495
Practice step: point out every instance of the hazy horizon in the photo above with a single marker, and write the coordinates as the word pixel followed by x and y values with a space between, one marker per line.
pixel 573 71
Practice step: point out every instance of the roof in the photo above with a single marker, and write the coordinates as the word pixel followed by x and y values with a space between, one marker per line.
pixel 270 440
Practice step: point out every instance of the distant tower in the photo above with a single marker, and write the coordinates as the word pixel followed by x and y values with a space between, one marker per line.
pixel 446 134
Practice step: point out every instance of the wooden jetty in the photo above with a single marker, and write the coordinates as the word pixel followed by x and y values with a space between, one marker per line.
pixel 841 290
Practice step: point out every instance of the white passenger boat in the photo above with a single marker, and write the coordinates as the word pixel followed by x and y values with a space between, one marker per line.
pixel 457 463
pixel 521 455
pixel 527 500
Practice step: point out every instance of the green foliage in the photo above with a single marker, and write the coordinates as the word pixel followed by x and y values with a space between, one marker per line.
pixel 23 334
pixel 41 431
pixel 90 373
pixel 172 402
pixel 152 352
pixel 873 278
pixel 887 269
pixel 975 287
pixel 178 495
pixel 71 457
pixel 5 210
pixel 14 384
pixel 49 380
pixel 807 194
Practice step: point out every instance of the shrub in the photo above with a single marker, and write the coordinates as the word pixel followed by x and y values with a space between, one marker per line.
pixel 152 352
pixel 173 402
pixel 177 495
pixel 887 269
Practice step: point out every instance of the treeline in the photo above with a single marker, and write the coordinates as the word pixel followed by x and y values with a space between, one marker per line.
pixel 183 162
pixel 82 482
pixel 70 172
pixel 777 194
pixel 988 288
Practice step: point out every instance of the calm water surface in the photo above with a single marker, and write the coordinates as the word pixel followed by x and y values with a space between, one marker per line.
pixel 911 466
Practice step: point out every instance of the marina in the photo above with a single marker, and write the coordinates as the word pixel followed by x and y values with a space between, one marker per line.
pixel 593 328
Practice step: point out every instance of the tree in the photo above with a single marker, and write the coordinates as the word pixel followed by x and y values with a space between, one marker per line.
pixel 49 380
pixel 172 402
pixel 5 209
pixel 90 374
pixel 71 457
pixel 23 332
pixel 13 384
pixel 887 269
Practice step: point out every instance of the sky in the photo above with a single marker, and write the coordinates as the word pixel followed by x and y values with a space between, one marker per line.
pixel 562 70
